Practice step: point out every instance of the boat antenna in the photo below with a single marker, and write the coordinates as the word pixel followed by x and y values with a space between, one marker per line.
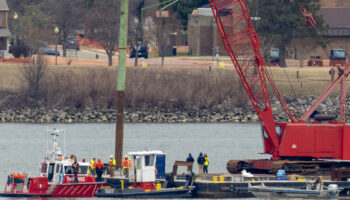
pixel 47 140
pixel 64 143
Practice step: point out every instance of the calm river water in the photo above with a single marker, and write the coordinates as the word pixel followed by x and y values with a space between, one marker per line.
pixel 23 146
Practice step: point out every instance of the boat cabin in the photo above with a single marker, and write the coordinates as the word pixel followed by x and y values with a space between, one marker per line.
pixel 146 167
pixel 61 171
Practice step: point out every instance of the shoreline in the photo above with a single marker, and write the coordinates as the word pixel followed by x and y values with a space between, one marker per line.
pixel 245 114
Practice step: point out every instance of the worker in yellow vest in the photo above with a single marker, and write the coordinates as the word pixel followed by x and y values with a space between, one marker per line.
pixel 206 164
pixel 93 166
pixel 112 164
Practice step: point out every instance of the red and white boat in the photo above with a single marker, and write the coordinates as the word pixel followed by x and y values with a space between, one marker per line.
pixel 56 178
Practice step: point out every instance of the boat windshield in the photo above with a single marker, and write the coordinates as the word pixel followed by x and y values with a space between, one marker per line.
pixel 149 160
pixel 82 169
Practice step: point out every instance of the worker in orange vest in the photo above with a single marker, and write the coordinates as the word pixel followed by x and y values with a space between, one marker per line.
pixel 126 164
pixel 112 164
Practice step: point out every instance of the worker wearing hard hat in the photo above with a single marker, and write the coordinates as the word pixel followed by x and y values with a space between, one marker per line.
pixel 112 164
pixel 126 164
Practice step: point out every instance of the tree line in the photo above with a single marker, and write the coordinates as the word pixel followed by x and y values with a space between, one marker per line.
pixel 96 19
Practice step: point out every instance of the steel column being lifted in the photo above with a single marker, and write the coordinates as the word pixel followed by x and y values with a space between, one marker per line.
pixel 123 37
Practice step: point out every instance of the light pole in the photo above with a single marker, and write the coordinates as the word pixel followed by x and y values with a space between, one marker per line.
pixel 15 17
pixel 56 33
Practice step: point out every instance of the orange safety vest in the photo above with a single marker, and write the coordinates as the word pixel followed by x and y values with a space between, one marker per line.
pixel 130 164
pixel 125 163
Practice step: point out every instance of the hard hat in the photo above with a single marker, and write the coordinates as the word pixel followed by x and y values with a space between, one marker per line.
pixel 111 156
pixel 126 156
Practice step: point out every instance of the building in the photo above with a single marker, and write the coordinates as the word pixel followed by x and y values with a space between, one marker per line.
pixel 335 3
pixel 4 31
pixel 204 39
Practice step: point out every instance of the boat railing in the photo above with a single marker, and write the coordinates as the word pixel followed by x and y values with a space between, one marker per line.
pixel 17 183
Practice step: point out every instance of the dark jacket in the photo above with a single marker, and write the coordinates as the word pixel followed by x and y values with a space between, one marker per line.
pixel 190 159
pixel 75 167
pixel 200 160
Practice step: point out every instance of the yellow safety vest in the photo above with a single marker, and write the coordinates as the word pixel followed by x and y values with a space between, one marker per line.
pixel 206 162
pixel 92 164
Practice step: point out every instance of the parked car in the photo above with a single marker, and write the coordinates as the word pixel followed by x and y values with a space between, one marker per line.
pixel 72 43
pixel 337 57
pixel 142 52
pixel 46 50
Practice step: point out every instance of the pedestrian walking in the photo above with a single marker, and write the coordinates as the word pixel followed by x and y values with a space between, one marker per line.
pixel 206 164
pixel 200 162
pixel 332 73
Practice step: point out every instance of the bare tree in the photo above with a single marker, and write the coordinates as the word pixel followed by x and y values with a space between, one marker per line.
pixel 165 30
pixel 102 21
pixel 136 26
pixel 67 15
pixel 33 74
pixel 31 28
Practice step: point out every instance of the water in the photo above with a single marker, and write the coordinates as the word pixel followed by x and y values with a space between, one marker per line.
pixel 23 146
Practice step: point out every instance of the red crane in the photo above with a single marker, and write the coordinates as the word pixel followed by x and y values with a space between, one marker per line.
pixel 297 140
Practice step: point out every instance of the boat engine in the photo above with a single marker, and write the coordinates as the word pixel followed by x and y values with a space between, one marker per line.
pixel 332 191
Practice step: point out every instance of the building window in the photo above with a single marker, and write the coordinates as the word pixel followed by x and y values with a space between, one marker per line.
pixel 3 19
pixel 3 43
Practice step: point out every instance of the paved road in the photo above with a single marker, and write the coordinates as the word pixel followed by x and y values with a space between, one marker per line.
pixel 84 53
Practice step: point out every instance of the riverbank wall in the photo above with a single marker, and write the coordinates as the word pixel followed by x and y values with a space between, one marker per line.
pixel 244 114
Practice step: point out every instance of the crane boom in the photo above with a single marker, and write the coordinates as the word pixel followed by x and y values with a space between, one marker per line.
pixel 242 43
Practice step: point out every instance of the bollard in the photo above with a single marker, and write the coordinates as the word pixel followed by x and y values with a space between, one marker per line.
pixel 209 68
pixel 215 179
pixel 158 186
pixel 222 179
pixel 122 184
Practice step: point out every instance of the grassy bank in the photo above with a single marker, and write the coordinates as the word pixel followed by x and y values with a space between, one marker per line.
pixel 172 87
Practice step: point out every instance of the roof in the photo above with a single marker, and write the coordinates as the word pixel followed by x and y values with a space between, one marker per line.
pixel 4 32
pixel 3 5
pixel 336 17
pixel 146 153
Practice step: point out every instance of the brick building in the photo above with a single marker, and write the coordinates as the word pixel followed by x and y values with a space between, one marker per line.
pixel 203 36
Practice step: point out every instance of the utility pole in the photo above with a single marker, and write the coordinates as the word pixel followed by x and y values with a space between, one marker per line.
pixel 123 39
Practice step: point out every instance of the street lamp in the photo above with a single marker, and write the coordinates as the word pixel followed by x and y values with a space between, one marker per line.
pixel 15 17
pixel 56 33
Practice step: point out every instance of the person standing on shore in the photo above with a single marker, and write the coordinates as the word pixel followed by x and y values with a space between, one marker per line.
pixel 200 162
pixel 206 164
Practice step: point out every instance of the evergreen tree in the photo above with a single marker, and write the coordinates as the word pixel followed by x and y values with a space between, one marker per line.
pixel 282 20
pixel 185 7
